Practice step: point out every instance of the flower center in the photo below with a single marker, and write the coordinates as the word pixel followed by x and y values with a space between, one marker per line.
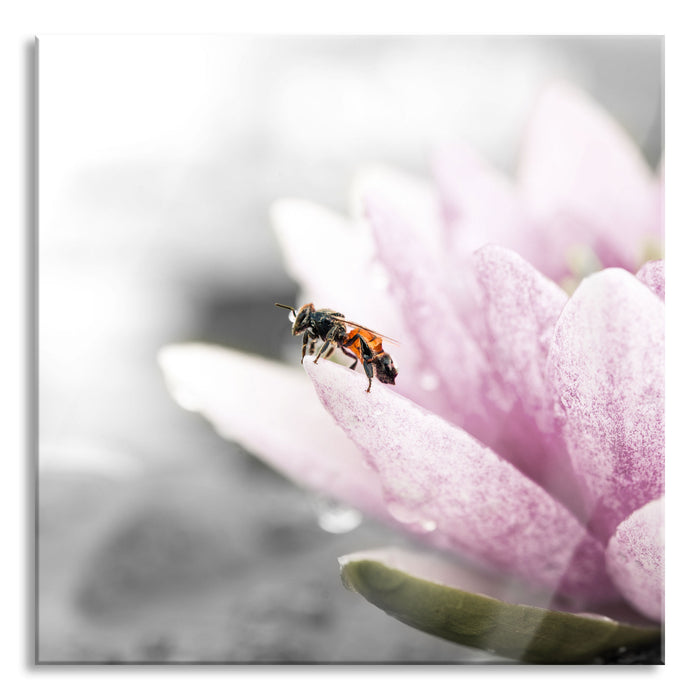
pixel 581 261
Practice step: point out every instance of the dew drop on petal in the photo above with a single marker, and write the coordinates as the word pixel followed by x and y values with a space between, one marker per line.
pixel 400 512
pixel 335 517
pixel 411 518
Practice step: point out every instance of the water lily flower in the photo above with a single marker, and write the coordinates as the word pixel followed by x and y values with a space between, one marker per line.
pixel 525 434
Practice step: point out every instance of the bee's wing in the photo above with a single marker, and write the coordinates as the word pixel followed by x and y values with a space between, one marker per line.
pixel 379 335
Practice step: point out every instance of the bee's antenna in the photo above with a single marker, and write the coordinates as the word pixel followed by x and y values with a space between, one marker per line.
pixel 284 306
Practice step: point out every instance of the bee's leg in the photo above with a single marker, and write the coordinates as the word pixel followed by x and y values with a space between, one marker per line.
pixel 308 340
pixel 367 357
pixel 369 371
pixel 323 349
pixel 365 350
pixel 349 354
pixel 348 344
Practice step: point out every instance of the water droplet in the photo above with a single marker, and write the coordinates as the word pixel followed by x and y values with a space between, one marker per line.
pixel 429 381
pixel 428 525
pixel 334 517
pixel 412 518
pixel 400 512
pixel 291 316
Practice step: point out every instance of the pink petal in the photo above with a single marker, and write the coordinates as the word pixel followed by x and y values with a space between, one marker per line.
pixel 416 199
pixel 606 365
pixel 653 274
pixel 482 206
pixel 449 358
pixel 635 557
pixel 438 478
pixel 417 202
pixel 272 411
pixel 520 307
pixel 586 182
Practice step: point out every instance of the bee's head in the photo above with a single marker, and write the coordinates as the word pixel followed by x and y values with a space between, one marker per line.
pixel 385 368
pixel 302 320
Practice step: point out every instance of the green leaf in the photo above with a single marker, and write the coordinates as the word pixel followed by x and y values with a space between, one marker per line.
pixel 522 632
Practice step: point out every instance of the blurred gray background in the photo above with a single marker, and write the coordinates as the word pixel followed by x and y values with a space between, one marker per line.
pixel 158 160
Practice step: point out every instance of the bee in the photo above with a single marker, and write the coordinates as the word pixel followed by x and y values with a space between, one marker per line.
pixel 335 331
